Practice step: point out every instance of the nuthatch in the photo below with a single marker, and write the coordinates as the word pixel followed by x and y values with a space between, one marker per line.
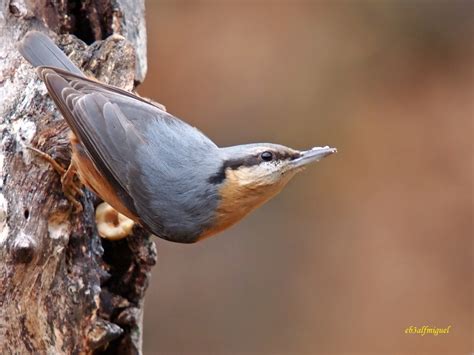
pixel 152 167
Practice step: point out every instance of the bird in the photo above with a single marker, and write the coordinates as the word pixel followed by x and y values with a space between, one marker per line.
pixel 153 167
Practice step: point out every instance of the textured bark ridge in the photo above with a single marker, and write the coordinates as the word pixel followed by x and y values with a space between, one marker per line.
pixel 62 288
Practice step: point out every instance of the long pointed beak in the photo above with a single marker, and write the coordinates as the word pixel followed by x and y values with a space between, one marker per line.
pixel 313 155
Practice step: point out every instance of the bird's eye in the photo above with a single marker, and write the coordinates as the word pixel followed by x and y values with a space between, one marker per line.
pixel 266 156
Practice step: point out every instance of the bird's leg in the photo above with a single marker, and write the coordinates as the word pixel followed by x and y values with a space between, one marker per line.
pixel 68 179
pixel 58 167
pixel 70 186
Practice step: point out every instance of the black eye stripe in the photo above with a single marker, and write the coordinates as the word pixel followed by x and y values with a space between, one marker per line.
pixel 250 160
pixel 285 155
pixel 246 161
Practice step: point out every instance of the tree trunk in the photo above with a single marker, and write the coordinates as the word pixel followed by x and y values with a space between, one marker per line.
pixel 63 289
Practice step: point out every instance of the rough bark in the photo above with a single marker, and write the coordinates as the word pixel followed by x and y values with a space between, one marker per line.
pixel 63 289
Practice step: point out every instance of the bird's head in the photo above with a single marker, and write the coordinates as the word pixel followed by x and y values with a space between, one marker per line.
pixel 264 165
pixel 251 174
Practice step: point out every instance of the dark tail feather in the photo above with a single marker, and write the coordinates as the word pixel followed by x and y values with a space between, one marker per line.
pixel 40 50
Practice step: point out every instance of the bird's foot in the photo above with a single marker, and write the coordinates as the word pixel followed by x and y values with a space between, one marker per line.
pixel 71 186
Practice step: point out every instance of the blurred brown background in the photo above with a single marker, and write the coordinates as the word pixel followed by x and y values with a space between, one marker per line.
pixel 362 245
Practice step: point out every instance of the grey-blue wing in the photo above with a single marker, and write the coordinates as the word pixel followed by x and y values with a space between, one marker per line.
pixel 156 162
